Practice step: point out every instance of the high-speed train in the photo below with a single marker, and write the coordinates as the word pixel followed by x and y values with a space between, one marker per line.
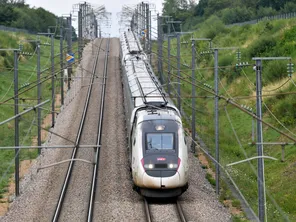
pixel 158 154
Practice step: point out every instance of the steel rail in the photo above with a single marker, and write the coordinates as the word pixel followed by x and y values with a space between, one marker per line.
pixel 99 139
pixel 147 210
pixel 180 211
pixel 71 164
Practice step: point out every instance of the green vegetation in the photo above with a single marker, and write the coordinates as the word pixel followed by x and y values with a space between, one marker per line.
pixel 265 39
pixel 27 75
pixel 193 14
pixel 18 14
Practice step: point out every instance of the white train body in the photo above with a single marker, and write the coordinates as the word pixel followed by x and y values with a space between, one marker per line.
pixel 158 154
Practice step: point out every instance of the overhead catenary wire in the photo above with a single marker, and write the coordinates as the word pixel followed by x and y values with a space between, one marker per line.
pixel 233 103
pixel 45 78
pixel 251 165
pixel 228 175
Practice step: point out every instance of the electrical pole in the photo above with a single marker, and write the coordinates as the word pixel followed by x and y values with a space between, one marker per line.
pixel 159 48
pixel 261 180
pixel 169 26
pixel 179 71
pixel 38 96
pixel 262 211
pixel 150 36
pixel 52 81
pixel 62 60
pixel 96 27
pixel 143 17
pixel 217 122
pixel 147 30
pixel 80 32
pixel 169 65
pixel 194 87
pixel 193 97
pixel 16 123
pixel 69 41
pixel 144 26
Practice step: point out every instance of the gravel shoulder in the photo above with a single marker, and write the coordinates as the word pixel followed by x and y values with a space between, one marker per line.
pixel 115 198
pixel 39 189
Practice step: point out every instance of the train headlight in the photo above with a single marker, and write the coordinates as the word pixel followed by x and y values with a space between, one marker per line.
pixel 173 166
pixel 159 127
pixel 149 166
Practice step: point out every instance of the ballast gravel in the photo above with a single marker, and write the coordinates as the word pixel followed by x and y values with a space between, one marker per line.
pixel 115 198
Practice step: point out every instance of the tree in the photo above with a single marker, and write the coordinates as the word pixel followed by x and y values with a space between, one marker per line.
pixel 170 7
pixel 7 14
pixel 200 8
pixel 183 4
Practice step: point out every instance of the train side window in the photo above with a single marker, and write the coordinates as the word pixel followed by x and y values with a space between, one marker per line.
pixel 134 134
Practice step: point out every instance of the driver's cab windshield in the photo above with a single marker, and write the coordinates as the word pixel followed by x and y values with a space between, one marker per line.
pixel 160 141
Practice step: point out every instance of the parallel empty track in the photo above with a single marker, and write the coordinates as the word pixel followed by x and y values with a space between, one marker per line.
pixel 61 200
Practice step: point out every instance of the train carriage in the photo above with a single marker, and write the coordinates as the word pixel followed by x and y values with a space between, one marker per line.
pixel 158 154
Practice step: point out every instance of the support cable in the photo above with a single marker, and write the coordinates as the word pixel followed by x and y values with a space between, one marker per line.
pixel 252 166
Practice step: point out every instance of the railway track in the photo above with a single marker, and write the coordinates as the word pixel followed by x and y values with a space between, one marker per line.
pixel 177 206
pixel 61 199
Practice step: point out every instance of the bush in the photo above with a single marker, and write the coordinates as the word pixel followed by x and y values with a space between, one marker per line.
pixel 262 46
pixel 285 110
pixel 237 14
pixel 266 11
pixel 289 7
pixel 273 71
pixel 213 26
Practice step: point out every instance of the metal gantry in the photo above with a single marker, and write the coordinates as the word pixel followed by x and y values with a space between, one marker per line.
pixel 262 211
pixel 92 19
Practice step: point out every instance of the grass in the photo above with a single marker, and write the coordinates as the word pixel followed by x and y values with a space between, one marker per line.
pixel 265 39
pixel 27 74
pixel 211 179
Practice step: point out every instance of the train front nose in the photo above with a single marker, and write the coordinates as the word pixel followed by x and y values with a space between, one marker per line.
pixel 161 172
pixel 161 180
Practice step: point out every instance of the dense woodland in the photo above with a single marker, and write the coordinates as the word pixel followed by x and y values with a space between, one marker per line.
pixel 193 12
pixel 18 14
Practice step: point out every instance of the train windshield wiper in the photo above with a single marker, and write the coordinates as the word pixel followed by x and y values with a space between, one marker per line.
pixel 152 147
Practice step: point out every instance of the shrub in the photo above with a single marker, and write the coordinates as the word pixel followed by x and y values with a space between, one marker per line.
pixel 261 46
pixel 213 26
pixel 237 14
pixel 265 11
pixel 273 71
pixel 285 110
pixel 289 7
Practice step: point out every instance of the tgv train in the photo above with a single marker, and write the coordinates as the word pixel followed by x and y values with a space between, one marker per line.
pixel 158 155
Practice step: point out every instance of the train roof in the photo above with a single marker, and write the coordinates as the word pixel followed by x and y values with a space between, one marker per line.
pixel 158 114
pixel 144 85
pixel 130 43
